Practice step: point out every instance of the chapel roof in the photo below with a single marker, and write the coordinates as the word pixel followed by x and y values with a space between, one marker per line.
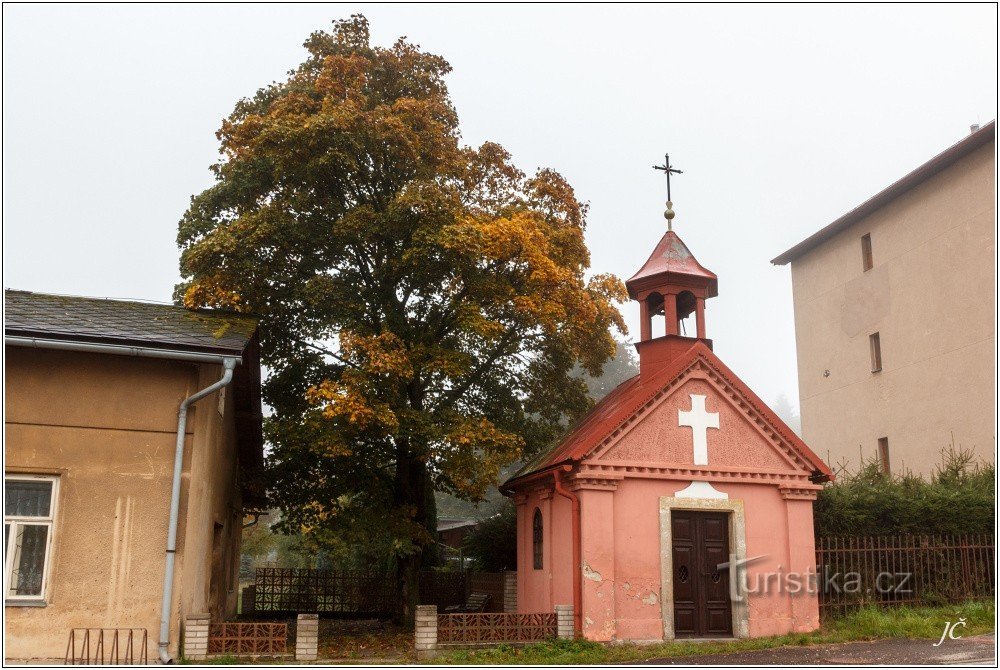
pixel 671 260
pixel 631 397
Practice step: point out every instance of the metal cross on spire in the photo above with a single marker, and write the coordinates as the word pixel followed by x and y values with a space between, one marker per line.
pixel 668 169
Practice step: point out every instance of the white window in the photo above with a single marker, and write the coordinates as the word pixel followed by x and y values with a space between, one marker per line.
pixel 29 509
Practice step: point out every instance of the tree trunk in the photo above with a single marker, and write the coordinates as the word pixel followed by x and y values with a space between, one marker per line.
pixel 410 494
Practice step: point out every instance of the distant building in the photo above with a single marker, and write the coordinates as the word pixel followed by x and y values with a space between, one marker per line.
pixel 894 317
pixel 93 391
pixel 451 532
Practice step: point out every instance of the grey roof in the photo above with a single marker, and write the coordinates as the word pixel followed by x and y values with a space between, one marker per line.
pixel 107 321
pixel 976 139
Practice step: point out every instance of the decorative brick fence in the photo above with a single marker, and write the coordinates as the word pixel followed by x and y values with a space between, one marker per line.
pixel 279 592
pixel 204 639
pixel 436 632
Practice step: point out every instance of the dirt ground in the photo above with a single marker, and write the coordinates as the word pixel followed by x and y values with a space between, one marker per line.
pixel 367 641
pixel 978 650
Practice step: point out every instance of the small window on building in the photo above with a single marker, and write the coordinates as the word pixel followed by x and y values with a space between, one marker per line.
pixel 29 510
pixel 883 454
pixel 536 539
pixel 866 252
pixel 875 345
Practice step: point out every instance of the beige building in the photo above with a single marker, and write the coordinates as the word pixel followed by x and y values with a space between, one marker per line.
pixel 895 317
pixel 94 390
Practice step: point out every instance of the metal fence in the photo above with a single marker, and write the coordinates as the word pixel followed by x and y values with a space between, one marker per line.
pixel 471 629
pixel 246 639
pixel 107 646
pixel 903 570
pixel 278 591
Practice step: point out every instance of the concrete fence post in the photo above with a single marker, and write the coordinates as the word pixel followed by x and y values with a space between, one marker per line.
pixel 196 636
pixel 307 637
pixel 510 592
pixel 564 622
pixel 425 630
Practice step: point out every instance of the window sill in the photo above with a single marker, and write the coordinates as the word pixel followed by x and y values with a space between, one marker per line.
pixel 24 603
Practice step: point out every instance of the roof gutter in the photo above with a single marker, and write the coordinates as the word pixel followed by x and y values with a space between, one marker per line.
pixel 166 608
pixel 229 364
pixel 116 349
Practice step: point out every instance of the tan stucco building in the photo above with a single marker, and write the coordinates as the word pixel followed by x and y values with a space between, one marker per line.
pixel 93 392
pixel 895 317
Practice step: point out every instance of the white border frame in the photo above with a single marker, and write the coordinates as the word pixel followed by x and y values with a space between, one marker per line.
pixel 49 520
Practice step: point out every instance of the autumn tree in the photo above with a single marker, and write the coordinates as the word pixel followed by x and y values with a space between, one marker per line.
pixel 423 302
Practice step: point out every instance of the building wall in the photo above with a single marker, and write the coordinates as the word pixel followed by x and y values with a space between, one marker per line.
pixel 931 297
pixel 621 558
pixel 106 425
pixel 541 590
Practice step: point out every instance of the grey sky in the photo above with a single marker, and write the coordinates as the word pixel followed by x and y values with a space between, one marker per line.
pixel 782 118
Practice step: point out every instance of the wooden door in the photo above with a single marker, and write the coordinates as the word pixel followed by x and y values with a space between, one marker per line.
pixel 701 589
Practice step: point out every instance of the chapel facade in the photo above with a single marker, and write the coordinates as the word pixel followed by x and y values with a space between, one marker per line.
pixel 680 505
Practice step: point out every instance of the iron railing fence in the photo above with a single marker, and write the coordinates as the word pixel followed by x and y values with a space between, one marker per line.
pixel 897 570
pixel 107 646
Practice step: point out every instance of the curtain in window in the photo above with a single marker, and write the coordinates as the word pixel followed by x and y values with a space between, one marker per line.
pixel 29 560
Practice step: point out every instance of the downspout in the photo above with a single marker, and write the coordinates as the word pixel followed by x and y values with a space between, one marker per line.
pixel 577 558
pixel 175 502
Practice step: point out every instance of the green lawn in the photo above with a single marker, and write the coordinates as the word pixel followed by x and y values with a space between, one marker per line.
pixel 865 624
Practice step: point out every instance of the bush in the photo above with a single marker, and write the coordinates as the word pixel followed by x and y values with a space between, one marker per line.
pixel 958 498
pixel 493 545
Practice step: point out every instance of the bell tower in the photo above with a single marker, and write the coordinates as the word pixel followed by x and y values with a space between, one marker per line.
pixel 671 285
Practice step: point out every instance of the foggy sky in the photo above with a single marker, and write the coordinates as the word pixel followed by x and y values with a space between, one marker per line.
pixel 782 119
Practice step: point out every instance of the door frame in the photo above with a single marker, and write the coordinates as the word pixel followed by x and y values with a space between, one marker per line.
pixel 737 546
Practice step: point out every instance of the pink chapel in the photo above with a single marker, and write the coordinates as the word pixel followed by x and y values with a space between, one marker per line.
pixel 680 506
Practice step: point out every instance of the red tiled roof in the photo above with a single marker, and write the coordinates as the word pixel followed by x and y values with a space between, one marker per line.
pixel 631 395
pixel 671 259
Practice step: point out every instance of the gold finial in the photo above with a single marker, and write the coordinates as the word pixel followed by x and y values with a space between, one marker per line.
pixel 668 214
pixel 668 169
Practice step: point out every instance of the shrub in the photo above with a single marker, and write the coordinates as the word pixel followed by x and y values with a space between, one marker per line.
pixel 957 498
pixel 493 545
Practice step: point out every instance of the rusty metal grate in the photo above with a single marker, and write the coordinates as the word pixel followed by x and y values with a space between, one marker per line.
pixel 495 628
pixel 244 639
pixel 904 570
pixel 107 646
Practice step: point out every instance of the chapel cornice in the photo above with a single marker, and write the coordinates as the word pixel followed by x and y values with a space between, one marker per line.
pixel 604 469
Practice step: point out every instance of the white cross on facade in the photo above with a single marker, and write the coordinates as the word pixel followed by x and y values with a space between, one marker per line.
pixel 699 421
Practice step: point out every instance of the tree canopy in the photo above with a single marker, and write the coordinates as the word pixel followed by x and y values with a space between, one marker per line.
pixel 423 303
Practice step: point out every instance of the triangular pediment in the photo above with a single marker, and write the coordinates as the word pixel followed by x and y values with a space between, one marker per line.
pixel 744 440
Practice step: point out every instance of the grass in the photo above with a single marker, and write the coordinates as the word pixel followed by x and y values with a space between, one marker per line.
pixel 865 624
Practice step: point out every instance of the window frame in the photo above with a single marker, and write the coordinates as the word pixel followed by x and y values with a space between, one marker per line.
pixel 537 540
pixel 867 256
pixel 15 520
pixel 875 351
